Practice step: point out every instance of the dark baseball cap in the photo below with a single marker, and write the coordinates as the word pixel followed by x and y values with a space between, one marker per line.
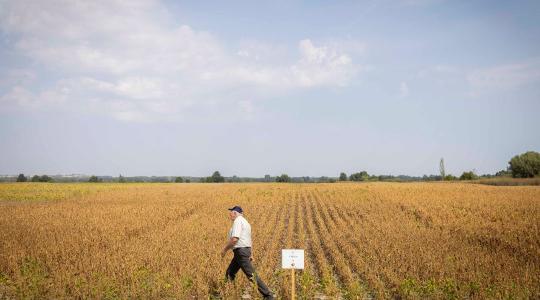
pixel 237 208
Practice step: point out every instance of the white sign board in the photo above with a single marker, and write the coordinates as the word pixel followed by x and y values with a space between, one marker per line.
pixel 292 258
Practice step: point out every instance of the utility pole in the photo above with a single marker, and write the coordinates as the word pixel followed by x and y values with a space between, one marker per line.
pixel 441 168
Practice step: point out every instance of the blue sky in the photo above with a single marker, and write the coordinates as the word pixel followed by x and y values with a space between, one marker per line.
pixel 251 88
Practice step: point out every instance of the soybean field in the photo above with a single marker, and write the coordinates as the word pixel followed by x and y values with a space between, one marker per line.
pixel 362 240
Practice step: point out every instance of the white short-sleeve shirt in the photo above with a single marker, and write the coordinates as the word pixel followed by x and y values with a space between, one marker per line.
pixel 242 230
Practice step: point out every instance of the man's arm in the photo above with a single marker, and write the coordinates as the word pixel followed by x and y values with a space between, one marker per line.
pixel 229 245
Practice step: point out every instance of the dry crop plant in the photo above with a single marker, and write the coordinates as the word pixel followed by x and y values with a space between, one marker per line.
pixel 382 240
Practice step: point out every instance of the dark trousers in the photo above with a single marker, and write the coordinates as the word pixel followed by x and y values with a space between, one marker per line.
pixel 241 261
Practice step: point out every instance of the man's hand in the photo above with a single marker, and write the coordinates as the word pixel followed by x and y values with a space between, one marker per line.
pixel 229 245
pixel 251 258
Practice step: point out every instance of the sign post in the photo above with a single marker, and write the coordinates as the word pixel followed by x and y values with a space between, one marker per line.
pixel 293 290
pixel 292 259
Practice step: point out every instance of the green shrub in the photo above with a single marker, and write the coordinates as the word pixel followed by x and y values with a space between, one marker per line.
pixel 526 165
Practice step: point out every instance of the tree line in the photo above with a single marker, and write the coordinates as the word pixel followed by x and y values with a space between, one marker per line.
pixel 525 165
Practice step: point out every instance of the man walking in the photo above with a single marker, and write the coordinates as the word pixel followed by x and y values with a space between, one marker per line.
pixel 240 241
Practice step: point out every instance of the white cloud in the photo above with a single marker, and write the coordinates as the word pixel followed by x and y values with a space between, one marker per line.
pixel 262 52
pixel 317 66
pixel 403 89
pixel 140 88
pixel 18 95
pixel 133 52
pixel 439 71
pixel 322 66
pixel 478 82
pixel 25 98
pixel 17 76
pixel 247 109
pixel 504 77
pixel 418 2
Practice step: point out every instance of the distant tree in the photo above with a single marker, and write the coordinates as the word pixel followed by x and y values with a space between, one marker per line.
pixel 216 177
pixel 45 178
pixel 431 178
pixel 283 178
pixel 94 178
pixel 188 180
pixel 450 177
pixel 342 177
pixel 267 178
pixel 470 175
pixel 35 178
pixel 441 169
pixel 525 165
pixel 385 177
pixel 21 178
pixel 361 176
pixel 179 180
pixel 504 173
pixel 121 179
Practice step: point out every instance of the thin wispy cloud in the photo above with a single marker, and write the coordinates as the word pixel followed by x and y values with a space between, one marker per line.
pixel 403 89
pixel 506 77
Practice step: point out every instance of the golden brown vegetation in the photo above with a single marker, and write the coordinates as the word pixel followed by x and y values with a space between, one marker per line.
pixel 501 181
pixel 383 240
